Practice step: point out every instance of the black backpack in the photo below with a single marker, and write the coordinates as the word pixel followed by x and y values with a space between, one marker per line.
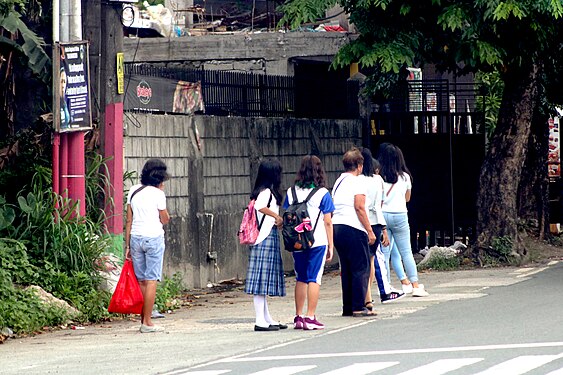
pixel 297 229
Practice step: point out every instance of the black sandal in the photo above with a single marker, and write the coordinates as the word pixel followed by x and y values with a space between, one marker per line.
pixel 369 305
pixel 364 313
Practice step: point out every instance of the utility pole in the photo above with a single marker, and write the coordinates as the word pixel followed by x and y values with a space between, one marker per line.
pixel 111 103
pixel 68 148
pixel 104 31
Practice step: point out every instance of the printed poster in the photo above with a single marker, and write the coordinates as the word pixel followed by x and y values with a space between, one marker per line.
pixel 554 155
pixel 156 94
pixel 72 87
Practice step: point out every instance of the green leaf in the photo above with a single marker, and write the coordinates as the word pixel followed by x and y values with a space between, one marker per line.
pixel 507 9
pixel 557 8
pixel 24 206
pixel 453 18
pixel 38 60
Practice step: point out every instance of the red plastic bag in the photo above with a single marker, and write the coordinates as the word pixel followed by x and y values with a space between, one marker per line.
pixel 127 298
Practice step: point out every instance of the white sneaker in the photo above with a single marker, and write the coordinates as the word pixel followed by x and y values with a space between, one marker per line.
pixel 150 329
pixel 420 292
pixel 407 288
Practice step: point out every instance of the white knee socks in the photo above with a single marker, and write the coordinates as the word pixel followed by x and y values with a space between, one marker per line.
pixel 263 318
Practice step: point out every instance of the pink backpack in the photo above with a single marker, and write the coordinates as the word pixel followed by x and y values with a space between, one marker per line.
pixel 248 231
pixel 249 227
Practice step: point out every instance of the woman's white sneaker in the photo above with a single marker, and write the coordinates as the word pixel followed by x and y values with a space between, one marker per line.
pixel 407 288
pixel 419 292
pixel 150 329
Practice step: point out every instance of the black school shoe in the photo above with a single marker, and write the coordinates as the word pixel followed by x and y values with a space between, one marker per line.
pixel 280 326
pixel 269 328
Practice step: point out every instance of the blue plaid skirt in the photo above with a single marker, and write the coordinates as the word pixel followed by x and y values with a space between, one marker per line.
pixel 265 268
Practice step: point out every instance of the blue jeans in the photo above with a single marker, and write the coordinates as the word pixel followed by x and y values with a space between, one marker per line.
pixel 399 250
pixel 147 254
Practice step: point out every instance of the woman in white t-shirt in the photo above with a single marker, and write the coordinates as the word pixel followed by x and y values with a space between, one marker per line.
pixel 264 276
pixel 378 270
pixel 352 235
pixel 144 234
pixel 397 192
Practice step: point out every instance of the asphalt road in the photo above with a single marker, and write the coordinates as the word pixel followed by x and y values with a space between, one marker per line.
pixel 504 321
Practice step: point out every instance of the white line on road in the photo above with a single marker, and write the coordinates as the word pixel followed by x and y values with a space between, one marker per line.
pixel 289 343
pixel 556 372
pixel 442 366
pixel 533 272
pixel 520 365
pixel 361 368
pixel 206 372
pixel 393 352
pixel 287 370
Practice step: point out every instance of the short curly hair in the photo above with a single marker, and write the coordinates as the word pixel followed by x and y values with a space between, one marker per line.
pixel 154 173
pixel 352 159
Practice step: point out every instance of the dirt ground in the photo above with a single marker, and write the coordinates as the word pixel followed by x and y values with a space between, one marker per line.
pixel 542 252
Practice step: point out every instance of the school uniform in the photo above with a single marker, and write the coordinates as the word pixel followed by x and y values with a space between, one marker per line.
pixel 309 264
pixel 265 268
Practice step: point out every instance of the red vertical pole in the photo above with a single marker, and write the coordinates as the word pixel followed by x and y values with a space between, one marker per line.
pixel 113 142
pixel 77 170
pixel 64 165
pixel 56 161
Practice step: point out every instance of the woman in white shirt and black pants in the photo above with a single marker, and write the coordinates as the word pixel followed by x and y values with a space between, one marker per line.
pixel 352 234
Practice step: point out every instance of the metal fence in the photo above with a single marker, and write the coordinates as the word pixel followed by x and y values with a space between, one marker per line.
pixel 432 106
pixel 232 93
pixel 440 129
pixel 227 93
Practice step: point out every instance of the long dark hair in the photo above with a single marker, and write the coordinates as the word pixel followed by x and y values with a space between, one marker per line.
pixel 376 166
pixel 310 173
pixel 368 169
pixel 392 163
pixel 269 177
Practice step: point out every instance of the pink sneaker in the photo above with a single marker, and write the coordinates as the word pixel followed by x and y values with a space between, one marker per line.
pixel 311 324
pixel 297 322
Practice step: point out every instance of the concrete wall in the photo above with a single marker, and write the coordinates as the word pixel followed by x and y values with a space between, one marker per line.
pixel 268 53
pixel 213 161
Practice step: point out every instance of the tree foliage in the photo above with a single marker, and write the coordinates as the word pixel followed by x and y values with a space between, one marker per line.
pixel 520 40
pixel 30 45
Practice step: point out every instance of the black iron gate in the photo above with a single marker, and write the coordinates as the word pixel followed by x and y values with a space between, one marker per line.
pixel 440 129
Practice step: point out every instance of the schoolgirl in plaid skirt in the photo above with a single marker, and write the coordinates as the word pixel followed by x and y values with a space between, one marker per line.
pixel 265 269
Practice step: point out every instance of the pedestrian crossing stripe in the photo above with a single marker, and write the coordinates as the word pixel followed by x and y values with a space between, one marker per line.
pixel 521 365
pixel 442 366
pixel 390 352
pixel 515 366
pixel 286 370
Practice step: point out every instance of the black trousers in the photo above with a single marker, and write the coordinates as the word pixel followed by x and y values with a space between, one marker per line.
pixel 353 251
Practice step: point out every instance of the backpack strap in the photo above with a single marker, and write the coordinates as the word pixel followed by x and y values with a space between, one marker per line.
pixel 264 215
pixel 310 194
pixel 307 200
pixel 294 194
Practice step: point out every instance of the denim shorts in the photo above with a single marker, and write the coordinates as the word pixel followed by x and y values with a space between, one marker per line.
pixel 147 254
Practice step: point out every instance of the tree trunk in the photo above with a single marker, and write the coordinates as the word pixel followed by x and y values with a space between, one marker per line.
pixel 533 194
pixel 497 210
